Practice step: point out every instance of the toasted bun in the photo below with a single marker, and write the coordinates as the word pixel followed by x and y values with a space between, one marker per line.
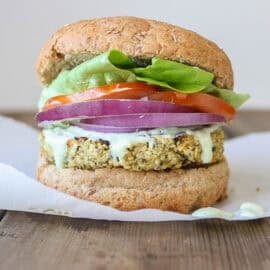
pixel 178 190
pixel 140 38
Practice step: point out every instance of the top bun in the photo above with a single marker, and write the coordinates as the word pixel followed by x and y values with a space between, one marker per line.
pixel 136 37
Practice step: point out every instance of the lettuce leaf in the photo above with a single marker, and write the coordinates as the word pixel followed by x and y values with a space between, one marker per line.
pixel 234 99
pixel 174 75
pixel 110 67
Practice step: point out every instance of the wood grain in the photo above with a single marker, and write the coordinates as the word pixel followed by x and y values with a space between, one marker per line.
pixel 31 241
pixel 2 213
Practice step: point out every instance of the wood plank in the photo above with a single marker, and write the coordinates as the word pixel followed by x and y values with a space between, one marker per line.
pixel 2 213
pixel 32 241
pixel 27 117
pixel 248 121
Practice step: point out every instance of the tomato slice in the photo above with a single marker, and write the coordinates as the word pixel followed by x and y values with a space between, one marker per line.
pixel 199 101
pixel 136 90
pixel 130 90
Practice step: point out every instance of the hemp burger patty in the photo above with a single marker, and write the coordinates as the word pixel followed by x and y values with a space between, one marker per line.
pixel 132 113
pixel 164 153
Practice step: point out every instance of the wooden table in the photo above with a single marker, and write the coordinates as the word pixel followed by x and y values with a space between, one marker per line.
pixel 33 241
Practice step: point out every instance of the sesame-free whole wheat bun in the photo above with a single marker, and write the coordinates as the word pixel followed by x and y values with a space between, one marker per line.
pixel 181 189
pixel 136 37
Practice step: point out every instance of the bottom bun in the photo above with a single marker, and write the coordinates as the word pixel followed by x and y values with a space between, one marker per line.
pixel 181 190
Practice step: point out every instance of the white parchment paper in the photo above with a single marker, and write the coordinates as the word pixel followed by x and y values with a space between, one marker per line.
pixel 248 157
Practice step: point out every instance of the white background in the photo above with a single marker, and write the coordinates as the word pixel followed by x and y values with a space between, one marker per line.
pixel 241 28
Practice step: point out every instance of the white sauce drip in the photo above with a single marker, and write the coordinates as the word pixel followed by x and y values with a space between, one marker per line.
pixel 204 137
pixel 57 137
pixel 58 145
pixel 249 209
pixel 246 209
pixel 211 212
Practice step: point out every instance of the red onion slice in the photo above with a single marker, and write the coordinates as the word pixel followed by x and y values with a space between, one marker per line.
pixel 108 129
pixel 97 108
pixel 135 122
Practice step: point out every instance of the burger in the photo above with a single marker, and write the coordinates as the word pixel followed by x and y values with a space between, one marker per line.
pixel 131 114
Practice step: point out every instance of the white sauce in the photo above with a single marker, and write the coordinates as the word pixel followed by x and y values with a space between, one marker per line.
pixel 249 209
pixel 58 145
pixel 205 140
pixel 246 209
pixel 57 137
pixel 211 212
